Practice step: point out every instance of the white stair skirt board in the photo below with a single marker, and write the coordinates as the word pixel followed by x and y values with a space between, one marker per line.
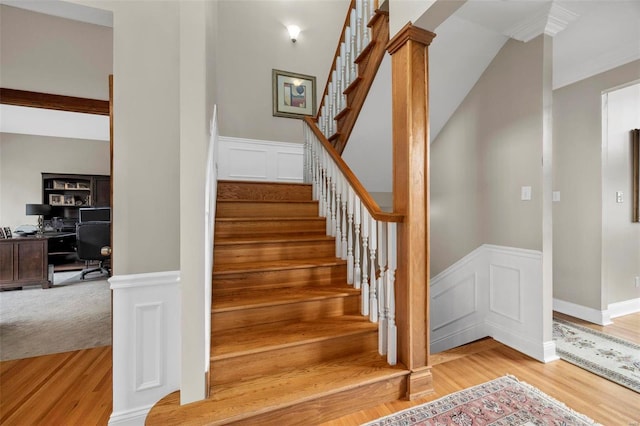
pixel 258 160
pixel 493 291
pixel 146 343
pixel 583 312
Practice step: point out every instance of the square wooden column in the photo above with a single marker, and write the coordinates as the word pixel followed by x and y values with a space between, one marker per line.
pixel 410 98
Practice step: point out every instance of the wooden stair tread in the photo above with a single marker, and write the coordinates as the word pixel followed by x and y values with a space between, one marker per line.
pixel 250 299
pixel 244 399
pixel 270 238
pixel 267 201
pixel 265 337
pixel 268 219
pixel 235 268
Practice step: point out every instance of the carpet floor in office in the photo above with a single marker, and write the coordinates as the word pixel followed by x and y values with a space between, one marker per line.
pixel 71 315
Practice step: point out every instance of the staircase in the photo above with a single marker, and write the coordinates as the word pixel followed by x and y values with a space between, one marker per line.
pixel 289 345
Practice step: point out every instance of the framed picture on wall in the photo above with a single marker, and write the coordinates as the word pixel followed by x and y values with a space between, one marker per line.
pixel 294 95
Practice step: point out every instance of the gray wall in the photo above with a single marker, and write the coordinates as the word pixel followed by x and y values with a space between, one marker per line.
pixel 44 53
pixel 490 147
pixel 23 158
pixel 253 40
pixel 578 238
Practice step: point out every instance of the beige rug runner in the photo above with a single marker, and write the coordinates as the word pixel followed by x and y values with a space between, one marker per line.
pixel 69 316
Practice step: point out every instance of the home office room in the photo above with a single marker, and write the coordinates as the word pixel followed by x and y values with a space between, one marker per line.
pixel 55 184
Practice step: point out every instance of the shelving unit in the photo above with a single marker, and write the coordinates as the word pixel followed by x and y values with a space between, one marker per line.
pixel 66 193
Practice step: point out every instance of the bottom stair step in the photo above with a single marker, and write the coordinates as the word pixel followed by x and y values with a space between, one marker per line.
pixel 309 395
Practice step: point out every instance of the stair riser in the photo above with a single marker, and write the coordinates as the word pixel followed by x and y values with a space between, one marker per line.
pixel 300 311
pixel 260 252
pixel 311 226
pixel 273 361
pixel 266 209
pixel 263 191
pixel 333 406
pixel 316 276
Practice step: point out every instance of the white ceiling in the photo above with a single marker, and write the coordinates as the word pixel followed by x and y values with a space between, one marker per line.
pixel 589 37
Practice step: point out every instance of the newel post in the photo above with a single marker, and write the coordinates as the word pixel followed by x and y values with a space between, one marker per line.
pixel 410 90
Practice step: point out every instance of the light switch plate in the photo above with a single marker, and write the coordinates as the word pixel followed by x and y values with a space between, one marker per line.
pixel 619 197
pixel 556 196
pixel 525 194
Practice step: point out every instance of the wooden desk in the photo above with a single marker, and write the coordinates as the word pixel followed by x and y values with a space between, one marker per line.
pixel 24 261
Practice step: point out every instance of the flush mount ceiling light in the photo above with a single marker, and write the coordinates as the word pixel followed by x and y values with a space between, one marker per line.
pixel 294 31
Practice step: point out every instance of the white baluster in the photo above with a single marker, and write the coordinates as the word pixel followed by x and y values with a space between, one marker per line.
pixel 382 263
pixel 365 260
pixel 373 288
pixel 350 208
pixel 359 26
pixel 354 46
pixel 348 56
pixel 338 240
pixel 366 36
pixel 391 298
pixel 332 204
pixel 343 215
pixel 357 218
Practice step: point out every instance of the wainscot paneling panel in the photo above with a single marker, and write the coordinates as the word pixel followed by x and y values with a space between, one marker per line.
pixel 258 160
pixel 146 343
pixel 493 291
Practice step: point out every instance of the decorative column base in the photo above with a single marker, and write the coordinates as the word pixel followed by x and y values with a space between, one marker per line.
pixel 419 383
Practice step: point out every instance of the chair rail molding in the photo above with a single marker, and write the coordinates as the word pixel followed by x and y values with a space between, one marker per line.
pixel 493 291
pixel 260 160
pixel 146 343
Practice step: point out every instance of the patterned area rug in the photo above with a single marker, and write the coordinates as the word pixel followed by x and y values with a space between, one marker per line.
pixel 610 357
pixel 503 401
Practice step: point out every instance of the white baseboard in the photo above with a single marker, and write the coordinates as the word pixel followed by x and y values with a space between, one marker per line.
pixel 583 312
pixel 626 307
pixel 459 338
pixel 130 418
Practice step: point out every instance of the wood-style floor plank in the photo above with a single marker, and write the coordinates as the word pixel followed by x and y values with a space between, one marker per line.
pixel 60 389
pixel 74 388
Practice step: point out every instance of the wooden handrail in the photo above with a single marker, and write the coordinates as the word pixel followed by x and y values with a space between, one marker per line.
pixel 352 5
pixel 363 194
pixel 57 102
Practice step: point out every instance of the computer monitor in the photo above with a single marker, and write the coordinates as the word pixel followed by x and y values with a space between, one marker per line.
pixel 92 214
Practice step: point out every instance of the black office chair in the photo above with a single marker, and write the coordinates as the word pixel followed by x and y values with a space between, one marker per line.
pixel 93 241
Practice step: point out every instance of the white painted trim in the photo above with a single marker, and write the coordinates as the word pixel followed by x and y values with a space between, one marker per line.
pixel 493 291
pixel 135 417
pixel 626 307
pixel 147 279
pixel 260 160
pixel 583 312
pixel 146 343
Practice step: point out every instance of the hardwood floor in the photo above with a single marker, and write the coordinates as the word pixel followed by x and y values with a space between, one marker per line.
pixel 74 388
pixel 71 388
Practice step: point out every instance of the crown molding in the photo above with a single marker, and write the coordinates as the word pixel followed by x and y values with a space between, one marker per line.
pixel 549 22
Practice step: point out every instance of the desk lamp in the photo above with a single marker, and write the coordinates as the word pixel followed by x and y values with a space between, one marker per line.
pixel 38 210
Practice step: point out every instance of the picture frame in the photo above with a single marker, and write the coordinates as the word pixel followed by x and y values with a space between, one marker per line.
pixel 2 235
pixel 69 200
pixel 294 94
pixel 56 199
pixel 7 232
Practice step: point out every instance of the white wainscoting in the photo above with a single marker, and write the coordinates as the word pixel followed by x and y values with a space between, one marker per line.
pixel 493 291
pixel 146 343
pixel 258 160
